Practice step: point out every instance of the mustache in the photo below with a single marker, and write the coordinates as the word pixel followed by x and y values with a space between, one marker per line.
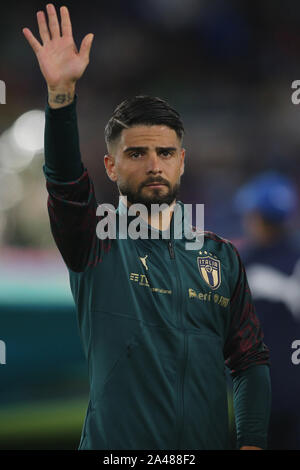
pixel 155 180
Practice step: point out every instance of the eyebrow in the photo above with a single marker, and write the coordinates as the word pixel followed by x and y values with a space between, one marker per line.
pixel 143 149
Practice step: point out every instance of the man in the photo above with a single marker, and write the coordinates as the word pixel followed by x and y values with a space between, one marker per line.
pixel 272 259
pixel 157 321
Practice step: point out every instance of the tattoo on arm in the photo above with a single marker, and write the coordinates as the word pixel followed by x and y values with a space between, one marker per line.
pixel 61 98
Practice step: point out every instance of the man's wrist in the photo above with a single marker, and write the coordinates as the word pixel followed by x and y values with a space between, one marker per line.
pixel 254 441
pixel 61 96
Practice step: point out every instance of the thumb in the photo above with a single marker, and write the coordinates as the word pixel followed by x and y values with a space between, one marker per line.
pixel 86 45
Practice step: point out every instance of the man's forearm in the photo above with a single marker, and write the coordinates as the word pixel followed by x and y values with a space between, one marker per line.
pixel 62 151
pixel 252 403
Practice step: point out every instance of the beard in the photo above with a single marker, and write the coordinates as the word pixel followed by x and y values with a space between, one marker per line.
pixel 157 196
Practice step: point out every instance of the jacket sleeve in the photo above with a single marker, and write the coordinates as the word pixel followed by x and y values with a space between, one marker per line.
pixel 72 203
pixel 244 346
pixel 252 406
pixel 72 212
pixel 61 143
pixel 248 359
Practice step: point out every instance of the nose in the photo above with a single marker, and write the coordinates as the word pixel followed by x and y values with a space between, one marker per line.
pixel 153 163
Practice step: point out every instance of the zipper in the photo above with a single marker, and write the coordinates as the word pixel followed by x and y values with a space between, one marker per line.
pixel 170 242
pixel 184 361
pixel 171 249
pixel 180 302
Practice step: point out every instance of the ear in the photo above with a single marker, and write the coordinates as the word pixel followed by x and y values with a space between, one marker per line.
pixel 109 163
pixel 182 156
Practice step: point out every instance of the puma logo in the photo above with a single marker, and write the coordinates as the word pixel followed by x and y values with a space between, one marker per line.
pixel 143 260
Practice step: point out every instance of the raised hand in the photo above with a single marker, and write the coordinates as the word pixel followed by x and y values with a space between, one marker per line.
pixel 60 62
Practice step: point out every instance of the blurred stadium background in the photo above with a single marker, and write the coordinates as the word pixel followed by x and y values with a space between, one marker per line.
pixel 226 66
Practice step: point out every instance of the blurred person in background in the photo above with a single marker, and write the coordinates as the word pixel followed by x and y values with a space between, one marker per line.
pixel 272 260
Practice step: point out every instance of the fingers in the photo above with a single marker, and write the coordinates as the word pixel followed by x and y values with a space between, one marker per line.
pixel 53 21
pixel 36 46
pixel 85 47
pixel 66 26
pixel 43 28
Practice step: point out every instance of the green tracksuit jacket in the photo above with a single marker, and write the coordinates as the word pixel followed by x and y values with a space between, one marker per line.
pixel 158 324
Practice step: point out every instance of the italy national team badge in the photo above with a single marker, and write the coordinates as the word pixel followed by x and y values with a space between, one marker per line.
pixel 210 269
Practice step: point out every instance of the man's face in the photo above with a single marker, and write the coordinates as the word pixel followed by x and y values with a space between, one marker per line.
pixel 147 163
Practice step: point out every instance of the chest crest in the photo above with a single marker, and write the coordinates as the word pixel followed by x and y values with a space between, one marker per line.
pixel 210 269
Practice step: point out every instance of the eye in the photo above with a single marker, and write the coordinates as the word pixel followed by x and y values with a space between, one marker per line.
pixel 166 153
pixel 135 155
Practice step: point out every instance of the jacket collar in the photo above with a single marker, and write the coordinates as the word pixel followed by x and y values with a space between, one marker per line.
pixel 177 228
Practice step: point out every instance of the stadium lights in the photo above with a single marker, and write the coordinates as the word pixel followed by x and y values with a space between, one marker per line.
pixel 28 131
pixel 22 141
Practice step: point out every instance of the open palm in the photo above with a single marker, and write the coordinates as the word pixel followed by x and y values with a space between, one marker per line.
pixel 59 60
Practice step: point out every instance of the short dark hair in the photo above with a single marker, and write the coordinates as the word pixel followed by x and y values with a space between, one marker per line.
pixel 142 110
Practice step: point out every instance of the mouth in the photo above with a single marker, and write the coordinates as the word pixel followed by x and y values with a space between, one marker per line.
pixel 155 185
